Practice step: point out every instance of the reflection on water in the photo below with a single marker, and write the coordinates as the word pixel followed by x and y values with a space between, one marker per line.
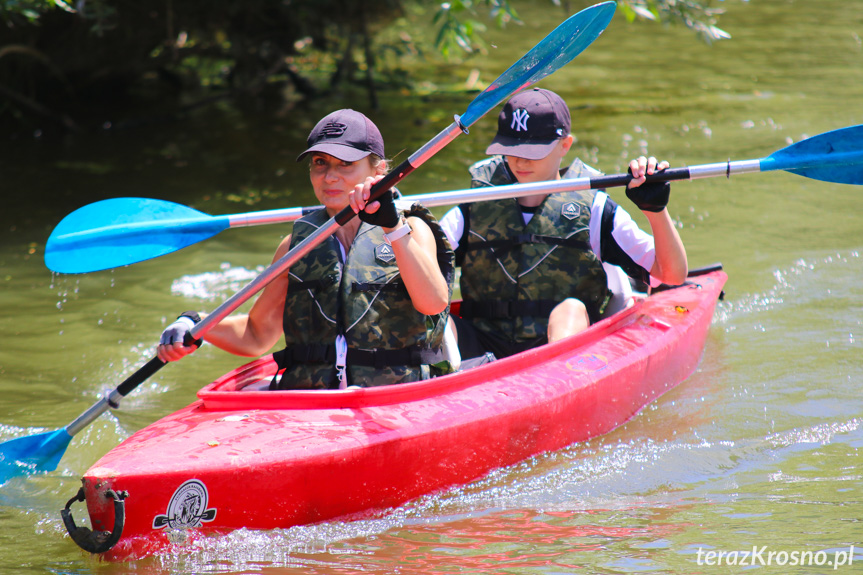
pixel 759 447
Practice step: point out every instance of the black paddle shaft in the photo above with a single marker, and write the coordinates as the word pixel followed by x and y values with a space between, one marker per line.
pixel 138 378
pixel 619 180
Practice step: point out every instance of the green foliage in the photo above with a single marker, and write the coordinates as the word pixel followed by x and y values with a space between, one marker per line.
pixel 697 15
pixel 17 12
pixel 458 27
pixel 60 59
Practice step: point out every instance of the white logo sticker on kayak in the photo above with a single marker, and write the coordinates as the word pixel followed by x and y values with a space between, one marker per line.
pixel 187 508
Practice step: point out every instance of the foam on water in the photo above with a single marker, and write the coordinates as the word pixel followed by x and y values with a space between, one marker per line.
pixel 211 286
pixel 790 283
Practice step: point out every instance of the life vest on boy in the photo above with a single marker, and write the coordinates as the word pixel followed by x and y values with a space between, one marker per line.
pixel 514 274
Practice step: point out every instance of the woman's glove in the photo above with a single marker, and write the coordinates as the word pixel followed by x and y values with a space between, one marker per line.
pixel 181 331
pixel 386 216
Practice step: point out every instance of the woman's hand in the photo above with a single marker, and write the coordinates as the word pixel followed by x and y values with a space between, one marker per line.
pixel 381 212
pixel 172 343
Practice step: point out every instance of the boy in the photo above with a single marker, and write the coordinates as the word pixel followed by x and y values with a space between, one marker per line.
pixel 535 269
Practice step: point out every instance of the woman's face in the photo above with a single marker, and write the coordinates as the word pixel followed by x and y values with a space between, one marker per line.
pixel 333 179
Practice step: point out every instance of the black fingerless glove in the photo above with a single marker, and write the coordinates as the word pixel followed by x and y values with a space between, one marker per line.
pixel 650 196
pixel 387 215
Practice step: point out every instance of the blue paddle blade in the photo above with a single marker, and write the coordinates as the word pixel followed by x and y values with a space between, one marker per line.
pixel 32 454
pixel 835 156
pixel 123 231
pixel 555 51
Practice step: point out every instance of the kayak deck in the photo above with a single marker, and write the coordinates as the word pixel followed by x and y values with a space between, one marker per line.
pixel 274 459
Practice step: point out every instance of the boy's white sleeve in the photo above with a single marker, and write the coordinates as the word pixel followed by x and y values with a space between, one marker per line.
pixel 453 226
pixel 627 244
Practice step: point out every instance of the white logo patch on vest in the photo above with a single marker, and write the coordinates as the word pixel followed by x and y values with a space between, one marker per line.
pixel 187 508
pixel 384 253
pixel 570 211
pixel 519 120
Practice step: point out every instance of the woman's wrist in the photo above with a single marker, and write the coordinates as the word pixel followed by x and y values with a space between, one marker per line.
pixel 401 230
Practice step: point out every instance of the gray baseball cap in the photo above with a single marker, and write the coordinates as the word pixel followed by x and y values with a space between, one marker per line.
pixel 347 135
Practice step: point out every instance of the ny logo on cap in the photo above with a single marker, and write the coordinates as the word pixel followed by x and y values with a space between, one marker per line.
pixel 333 130
pixel 519 120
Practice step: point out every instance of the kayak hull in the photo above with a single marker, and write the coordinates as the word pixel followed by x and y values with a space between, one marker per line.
pixel 274 459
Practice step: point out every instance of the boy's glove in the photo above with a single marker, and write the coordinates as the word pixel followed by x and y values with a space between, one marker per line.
pixel 650 196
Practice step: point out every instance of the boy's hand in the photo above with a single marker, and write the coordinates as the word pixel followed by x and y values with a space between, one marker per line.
pixel 649 197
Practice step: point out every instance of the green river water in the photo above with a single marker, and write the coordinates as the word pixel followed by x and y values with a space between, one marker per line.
pixel 759 448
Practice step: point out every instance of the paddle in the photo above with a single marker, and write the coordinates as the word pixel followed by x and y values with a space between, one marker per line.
pixel 42 452
pixel 131 230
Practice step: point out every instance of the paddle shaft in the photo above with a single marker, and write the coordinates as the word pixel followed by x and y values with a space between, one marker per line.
pixel 834 156
pixel 437 199
pixel 112 399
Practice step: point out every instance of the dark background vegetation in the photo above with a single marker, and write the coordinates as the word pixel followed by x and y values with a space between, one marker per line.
pixel 94 64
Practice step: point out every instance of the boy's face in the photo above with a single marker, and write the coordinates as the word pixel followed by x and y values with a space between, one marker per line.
pixel 548 168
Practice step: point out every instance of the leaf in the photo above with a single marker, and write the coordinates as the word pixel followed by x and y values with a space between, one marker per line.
pixel 719 34
pixel 644 13
pixel 64 6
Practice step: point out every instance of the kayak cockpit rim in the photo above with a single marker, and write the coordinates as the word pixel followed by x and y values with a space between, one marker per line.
pixel 223 391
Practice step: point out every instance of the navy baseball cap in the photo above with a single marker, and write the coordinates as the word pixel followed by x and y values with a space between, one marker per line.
pixel 347 135
pixel 530 125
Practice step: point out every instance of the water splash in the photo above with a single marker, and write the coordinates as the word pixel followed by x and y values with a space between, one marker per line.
pixel 210 286
pixel 788 282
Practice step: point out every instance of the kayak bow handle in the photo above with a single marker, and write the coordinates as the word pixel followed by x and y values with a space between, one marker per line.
pixel 96 541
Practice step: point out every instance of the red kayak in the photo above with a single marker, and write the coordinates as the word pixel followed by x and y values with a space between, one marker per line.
pixel 242 456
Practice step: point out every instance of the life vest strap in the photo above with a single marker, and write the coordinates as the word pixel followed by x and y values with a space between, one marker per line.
pixel 316 285
pixel 412 356
pixel 369 286
pixel 522 239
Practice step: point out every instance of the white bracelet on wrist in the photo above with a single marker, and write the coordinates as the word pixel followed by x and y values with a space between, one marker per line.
pixel 399 232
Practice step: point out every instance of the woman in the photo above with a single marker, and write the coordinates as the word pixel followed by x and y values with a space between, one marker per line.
pixel 369 305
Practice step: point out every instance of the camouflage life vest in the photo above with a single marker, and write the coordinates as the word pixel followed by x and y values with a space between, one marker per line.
pixel 364 300
pixel 514 275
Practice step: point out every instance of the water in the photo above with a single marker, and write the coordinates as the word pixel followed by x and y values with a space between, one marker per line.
pixel 759 448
